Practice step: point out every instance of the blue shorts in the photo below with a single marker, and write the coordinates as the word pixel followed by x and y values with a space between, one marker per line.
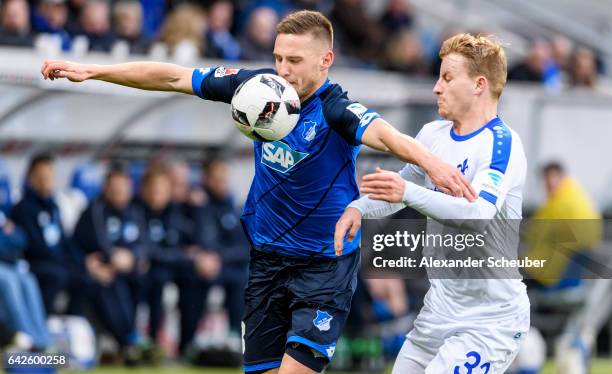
pixel 291 301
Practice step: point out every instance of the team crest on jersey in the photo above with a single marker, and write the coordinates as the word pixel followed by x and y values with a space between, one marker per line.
pixel 463 167
pixel 310 130
pixel 223 71
pixel 280 156
pixel 322 321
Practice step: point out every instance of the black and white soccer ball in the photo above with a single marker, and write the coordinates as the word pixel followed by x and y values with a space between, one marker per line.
pixel 265 107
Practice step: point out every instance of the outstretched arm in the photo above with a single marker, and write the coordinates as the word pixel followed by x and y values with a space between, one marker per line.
pixel 154 76
pixel 382 136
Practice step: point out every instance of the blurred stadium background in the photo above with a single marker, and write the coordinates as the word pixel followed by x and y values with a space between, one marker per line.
pixel 559 99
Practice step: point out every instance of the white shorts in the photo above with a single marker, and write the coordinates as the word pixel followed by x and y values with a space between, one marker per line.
pixel 439 345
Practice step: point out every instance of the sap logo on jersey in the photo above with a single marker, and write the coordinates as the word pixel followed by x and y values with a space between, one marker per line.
pixel 280 157
pixel 322 321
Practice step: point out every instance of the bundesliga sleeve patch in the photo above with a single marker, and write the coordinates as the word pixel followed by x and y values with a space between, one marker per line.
pixel 364 114
pixel 221 72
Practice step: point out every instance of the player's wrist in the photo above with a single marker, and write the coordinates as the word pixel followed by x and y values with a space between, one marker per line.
pixel 406 195
pixel 355 205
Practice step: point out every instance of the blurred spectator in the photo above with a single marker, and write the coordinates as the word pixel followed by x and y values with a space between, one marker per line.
pixel 404 53
pixel 111 234
pixel 562 51
pixel 94 22
pixel 52 256
pixel 186 24
pixel 15 24
pixel 397 16
pixel 583 70
pixel 21 303
pixel 50 17
pixel 222 232
pixel 565 200
pixel 257 42
pixel 127 17
pixel 539 65
pixel 154 13
pixel 358 34
pixel 220 42
pixel 172 260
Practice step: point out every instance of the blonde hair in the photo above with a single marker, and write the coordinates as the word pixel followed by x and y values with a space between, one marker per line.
pixel 186 23
pixel 484 55
pixel 307 21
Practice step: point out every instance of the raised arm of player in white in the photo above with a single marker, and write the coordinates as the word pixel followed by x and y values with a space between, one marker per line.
pixel 153 76
pixel 381 136
pixel 493 183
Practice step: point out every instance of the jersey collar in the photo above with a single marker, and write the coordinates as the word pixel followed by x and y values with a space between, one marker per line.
pixel 318 92
pixel 461 138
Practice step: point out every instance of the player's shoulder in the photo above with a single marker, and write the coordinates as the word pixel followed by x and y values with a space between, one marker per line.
pixel 434 129
pixel 336 103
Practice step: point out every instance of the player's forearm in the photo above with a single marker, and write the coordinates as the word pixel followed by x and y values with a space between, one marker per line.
pixel 154 76
pixel 375 208
pixel 452 210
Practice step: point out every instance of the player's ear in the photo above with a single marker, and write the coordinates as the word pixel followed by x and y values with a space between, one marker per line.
pixel 328 60
pixel 481 84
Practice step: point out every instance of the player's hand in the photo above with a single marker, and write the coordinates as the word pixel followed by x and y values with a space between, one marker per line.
pixel 349 222
pixel 449 179
pixel 207 264
pixel 122 260
pixel 54 69
pixel 98 270
pixel 384 185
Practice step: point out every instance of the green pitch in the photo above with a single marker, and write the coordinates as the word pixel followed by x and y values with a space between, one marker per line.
pixel 599 366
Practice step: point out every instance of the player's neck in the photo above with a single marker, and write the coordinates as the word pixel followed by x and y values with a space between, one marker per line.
pixel 474 119
pixel 314 89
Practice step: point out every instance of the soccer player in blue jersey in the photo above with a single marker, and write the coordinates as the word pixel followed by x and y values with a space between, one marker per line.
pixel 299 293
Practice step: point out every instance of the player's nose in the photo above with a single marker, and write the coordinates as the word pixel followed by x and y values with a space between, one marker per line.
pixel 437 88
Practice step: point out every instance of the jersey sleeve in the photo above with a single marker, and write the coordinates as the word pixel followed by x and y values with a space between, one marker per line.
pixel 220 83
pixel 347 117
pixel 500 168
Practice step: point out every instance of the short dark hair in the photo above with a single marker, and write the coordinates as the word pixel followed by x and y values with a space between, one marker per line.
pixel 307 21
pixel 38 159
pixel 553 167
pixel 152 173
pixel 211 161
pixel 116 169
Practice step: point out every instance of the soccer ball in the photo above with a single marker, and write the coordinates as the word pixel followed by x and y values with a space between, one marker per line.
pixel 265 107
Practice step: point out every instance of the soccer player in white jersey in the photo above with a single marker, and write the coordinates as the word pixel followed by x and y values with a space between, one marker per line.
pixel 466 326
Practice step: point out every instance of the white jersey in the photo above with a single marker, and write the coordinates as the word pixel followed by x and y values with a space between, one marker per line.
pixel 493 160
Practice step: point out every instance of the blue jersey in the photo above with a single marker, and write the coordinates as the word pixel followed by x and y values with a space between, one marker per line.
pixel 303 182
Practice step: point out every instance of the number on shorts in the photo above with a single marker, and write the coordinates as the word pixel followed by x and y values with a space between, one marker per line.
pixel 472 365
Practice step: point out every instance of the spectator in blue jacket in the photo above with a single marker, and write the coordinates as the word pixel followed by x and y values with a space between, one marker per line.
pixel 111 234
pixel 52 256
pixel 21 305
pixel 220 230
pixel 171 256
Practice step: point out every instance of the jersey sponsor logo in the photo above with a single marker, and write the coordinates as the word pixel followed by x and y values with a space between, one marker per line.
pixel 310 130
pixel 280 156
pixel 463 167
pixel 223 71
pixel 322 321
